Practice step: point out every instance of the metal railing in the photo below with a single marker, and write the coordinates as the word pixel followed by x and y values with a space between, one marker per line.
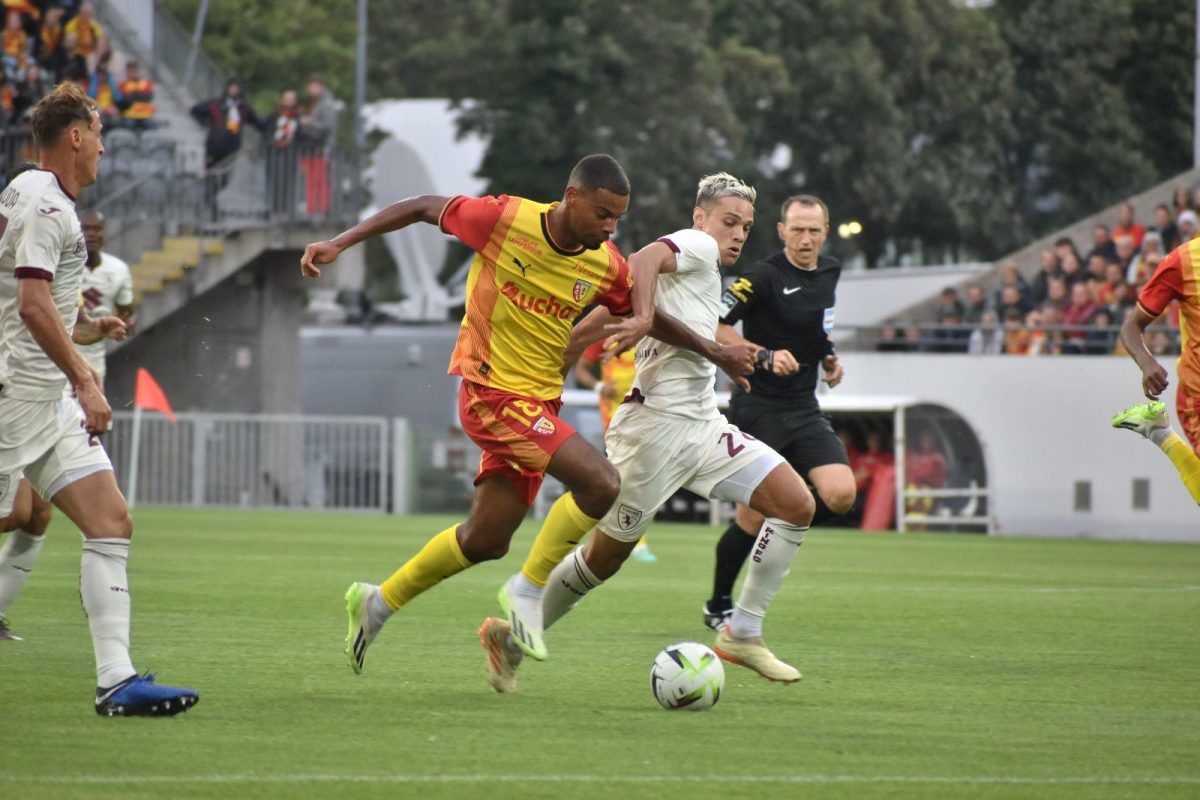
pixel 1002 339
pixel 258 460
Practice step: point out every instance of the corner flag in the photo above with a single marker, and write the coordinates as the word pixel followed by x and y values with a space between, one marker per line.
pixel 149 395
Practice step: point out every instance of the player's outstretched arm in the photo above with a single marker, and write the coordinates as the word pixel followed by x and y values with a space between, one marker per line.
pixel 423 208
pixel 735 360
pixel 38 312
pixel 1133 336
pixel 644 266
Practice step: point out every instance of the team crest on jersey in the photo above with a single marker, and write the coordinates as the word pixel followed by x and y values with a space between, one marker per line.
pixel 581 289
pixel 543 426
pixel 628 517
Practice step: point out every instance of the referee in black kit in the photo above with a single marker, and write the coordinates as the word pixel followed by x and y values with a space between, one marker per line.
pixel 787 304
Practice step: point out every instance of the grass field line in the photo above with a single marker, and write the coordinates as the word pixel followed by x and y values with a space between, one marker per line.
pixel 946 589
pixel 403 778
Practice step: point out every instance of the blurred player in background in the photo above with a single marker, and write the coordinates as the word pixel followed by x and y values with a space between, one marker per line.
pixel 786 305
pixel 107 288
pixel 612 378
pixel 1177 278
pixel 46 437
pixel 669 434
pixel 537 266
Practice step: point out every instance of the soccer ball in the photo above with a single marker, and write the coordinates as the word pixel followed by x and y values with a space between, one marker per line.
pixel 688 676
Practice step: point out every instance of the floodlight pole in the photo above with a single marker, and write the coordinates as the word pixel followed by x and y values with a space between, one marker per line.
pixel 197 33
pixel 360 99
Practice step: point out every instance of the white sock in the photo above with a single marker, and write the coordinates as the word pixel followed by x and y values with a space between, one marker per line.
pixel 568 583
pixel 527 597
pixel 17 558
pixel 104 588
pixel 1156 435
pixel 770 561
pixel 378 611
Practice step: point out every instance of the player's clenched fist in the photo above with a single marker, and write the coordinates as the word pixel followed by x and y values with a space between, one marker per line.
pixel 315 256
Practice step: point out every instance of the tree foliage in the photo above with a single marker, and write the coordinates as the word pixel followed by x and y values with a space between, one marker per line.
pixel 944 130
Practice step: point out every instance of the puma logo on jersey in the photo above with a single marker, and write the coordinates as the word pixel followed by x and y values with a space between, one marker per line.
pixel 793 290
pixel 521 266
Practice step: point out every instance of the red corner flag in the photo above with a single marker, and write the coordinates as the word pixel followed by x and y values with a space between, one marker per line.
pixel 149 395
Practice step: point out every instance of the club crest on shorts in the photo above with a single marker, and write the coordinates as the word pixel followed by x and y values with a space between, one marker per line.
pixel 543 426
pixel 581 289
pixel 628 517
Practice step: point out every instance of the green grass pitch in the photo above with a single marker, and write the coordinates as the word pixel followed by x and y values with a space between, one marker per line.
pixel 936 666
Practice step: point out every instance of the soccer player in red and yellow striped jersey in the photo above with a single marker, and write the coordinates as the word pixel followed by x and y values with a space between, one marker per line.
pixel 536 267
pixel 1177 278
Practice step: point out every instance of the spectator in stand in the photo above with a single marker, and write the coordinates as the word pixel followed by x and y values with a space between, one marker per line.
pixel 76 71
pixel 951 336
pixel 976 305
pixel 224 117
pixel 1098 266
pixel 1102 243
pixel 107 94
pixel 1102 340
pixel 1127 254
pixel 1072 269
pixel 987 338
pixel 1051 267
pixel 1181 201
pixel 1064 245
pixel 15 46
pixel 949 303
pixel 1045 338
pixel 316 132
pixel 1149 262
pixel 1078 314
pixel 33 87
pixel 84 36
pixel 8 100
pixel 138 91
pixel 1114 292
pixel 281 156
pixel 914 339
pixel 1196 200
pixel 1186 222
pixel 1010 298
pixel 1151 243
pixel 1128 226
pixel 1016 335
pixel 52 52
pixel 1164 225
pixel 1056 294
pixel 1011 276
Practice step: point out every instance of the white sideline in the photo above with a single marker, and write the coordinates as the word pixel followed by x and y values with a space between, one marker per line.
pixel 324 777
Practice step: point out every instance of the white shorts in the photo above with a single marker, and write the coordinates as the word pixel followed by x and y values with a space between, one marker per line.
pixel 45 442
pixel 657 454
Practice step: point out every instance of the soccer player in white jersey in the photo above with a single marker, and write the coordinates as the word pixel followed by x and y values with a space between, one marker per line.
pixel 107 288
pixel 45 436
pixel 667 435
pixel 106 295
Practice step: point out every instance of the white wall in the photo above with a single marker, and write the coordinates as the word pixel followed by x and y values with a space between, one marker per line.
pixel 1044 424
pixel 868 297
pixel 139 16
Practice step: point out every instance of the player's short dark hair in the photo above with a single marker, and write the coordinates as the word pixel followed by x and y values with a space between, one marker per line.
pixel 66 105
pixel 600 172
pixel 804 200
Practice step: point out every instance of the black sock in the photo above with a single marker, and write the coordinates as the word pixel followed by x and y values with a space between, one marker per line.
pixel 732 549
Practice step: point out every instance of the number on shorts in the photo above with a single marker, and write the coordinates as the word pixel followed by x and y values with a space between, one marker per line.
pixel 734 449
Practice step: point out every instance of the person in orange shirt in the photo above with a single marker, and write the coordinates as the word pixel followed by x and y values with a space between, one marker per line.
pixel 537 266
pixel 84 36
pixel 1177 278
pixel 615 379
pixel 15 43
pixel 138 92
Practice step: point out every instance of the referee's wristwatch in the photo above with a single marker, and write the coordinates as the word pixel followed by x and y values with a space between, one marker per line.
pixel 765 360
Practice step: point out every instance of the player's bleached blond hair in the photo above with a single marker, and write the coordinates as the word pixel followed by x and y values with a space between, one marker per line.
pixel 719 185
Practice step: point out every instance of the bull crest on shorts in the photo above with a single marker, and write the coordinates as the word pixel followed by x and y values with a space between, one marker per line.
pixel 580 291
pixel 628 517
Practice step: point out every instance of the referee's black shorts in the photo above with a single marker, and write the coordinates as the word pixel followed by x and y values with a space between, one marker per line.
pixel 802 435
